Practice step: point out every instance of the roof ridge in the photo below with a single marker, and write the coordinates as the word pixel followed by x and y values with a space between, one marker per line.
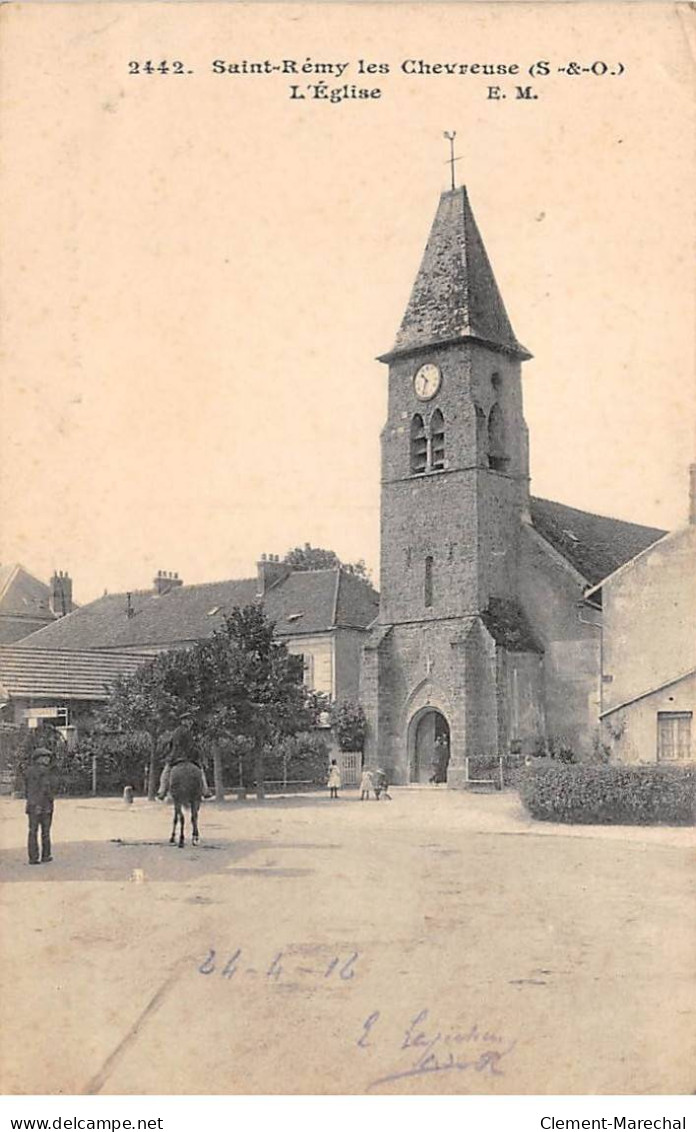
pixel 175 589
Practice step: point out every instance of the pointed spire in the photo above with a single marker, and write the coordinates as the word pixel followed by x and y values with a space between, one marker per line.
pixel 455 295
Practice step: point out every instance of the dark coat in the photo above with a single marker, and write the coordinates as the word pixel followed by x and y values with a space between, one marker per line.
pixel 40 782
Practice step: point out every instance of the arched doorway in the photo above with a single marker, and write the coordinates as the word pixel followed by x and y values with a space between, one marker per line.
pixel 430 750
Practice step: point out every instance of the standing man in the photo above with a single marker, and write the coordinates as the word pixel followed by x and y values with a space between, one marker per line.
pixel 40 792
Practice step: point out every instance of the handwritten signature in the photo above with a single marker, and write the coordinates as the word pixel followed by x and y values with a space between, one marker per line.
pixel 228 964
pixel 440 1050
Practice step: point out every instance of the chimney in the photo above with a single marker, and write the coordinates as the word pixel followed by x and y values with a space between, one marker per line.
pixel 692 494
pixel 60 598
pixel 164 582
pixel 270 571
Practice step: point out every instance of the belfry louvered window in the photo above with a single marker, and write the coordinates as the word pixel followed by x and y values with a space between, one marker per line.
pixel 437 440
pixel 497 455
pixel 419 445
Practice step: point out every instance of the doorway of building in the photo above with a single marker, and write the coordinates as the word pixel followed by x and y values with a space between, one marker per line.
pixel 431 748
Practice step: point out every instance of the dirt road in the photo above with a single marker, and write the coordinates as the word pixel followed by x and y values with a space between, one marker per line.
pixel 439 943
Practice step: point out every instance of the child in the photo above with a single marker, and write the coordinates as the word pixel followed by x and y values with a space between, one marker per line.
pixel 382 785
pixel 365 785
pixel 334 779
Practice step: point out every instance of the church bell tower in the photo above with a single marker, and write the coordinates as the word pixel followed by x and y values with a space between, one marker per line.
pixel 454 492
pixel 455 466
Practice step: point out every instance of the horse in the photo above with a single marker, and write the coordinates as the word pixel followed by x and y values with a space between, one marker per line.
pixel 186 789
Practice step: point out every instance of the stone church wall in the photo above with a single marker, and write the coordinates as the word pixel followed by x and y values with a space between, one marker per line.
pixel 449 666
pixel 551 593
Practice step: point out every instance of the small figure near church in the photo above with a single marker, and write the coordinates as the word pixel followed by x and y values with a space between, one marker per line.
pixel 334 781
pixel 40 782
pixel 440 760
pixel 382 785
pixel 366 785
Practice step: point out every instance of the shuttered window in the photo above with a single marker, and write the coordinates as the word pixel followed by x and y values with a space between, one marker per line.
pixel 419 445
pixel 673 735
pixel 437 441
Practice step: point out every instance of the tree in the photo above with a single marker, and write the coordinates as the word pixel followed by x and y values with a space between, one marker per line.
pixel 316 558
pixel 238 683
pixel 152 701
pixel 349 725
pixel 254 685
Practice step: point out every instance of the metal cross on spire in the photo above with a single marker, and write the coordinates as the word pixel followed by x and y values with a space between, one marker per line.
pixel 452 158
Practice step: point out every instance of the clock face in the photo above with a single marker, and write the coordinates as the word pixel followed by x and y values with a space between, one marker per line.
pixel 426 382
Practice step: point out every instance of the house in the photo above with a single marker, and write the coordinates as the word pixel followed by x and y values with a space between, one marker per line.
pixel 648 616
pixel 27 604
pixel 322 615
pixel 482 644
pixel 57 686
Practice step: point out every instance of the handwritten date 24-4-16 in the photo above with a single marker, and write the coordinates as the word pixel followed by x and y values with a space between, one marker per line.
pixel 282 964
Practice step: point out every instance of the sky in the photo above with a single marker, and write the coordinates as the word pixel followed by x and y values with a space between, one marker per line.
pixel 199 272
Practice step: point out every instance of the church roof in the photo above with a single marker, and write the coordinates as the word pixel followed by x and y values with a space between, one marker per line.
pixel 455 295
pixel 303 603
pixel 594 544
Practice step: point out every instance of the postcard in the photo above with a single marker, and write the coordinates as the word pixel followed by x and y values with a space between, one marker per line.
pixel 374 324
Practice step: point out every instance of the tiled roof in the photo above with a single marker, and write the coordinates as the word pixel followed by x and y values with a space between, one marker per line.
pixel 594 544
pixel 15 628
pixel 358 603
pixel 37 673
pixel 455 295
pixel 23 595
pixel 303 603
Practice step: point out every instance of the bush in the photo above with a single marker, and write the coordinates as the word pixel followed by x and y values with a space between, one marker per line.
pixel 121 761
pixel 555 747
pixel 299 758
pixel 349 725
pixel 620 795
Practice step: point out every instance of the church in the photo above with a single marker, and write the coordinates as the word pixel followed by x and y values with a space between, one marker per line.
pixel 482 641
pixel 483 645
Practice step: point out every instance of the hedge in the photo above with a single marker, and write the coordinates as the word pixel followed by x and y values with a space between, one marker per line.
pixel 621 795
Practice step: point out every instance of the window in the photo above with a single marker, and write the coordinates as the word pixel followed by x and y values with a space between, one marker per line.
pixel 419 445
pixel 307 669
pixel 481 437
pixel 428 582
pixel 497 458
pixel 437 441
pixel 673 735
